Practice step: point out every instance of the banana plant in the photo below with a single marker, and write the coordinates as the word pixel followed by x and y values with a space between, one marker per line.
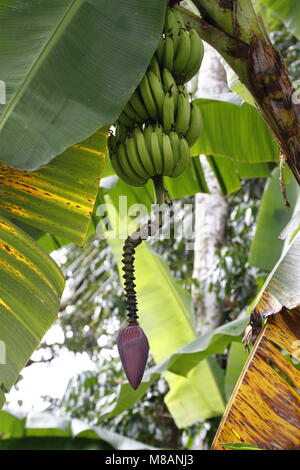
pixel 88 58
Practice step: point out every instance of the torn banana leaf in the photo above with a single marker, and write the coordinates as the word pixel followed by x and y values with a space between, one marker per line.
pixel 264 409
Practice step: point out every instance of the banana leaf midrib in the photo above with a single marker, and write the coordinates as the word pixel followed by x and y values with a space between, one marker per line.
pixel 66 18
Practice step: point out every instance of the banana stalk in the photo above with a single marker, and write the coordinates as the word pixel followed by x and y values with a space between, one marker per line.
pixel 235 31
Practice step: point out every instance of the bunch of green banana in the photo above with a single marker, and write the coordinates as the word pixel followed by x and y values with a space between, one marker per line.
pixel 180 50
pixel 148 152
pixel 146 102
pixel 159 124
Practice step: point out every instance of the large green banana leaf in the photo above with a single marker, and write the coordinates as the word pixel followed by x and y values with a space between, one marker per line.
pixel 288 11
pixel 30 290
pixel 229 173
pixel 69 67
pixel 273 216
pixel 45 431
pixel 60 197
pixel 234 131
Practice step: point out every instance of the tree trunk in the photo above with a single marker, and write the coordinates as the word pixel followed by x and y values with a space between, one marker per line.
pixel 210 212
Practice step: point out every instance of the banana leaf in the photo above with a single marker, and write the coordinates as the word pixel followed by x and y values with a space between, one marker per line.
pixel 273 216
pixel 235 131
pixel 60 197
pixel 288 11
pixel 281 288
pixel 46 431
pixel 30 291
pixel 69 69
pixel 264 408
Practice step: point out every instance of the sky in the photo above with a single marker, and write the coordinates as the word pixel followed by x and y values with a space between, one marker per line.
pixel 47 378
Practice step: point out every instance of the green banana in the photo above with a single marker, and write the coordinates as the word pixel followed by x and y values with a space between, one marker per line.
pixel 182 89
pixel 125 120
pixel 157 91
pixel 168 159
pixel 148 97
pixel 195 125
pixel 138 105
pixel 154 66
pixel 144 153
pixel 174 139
pixel 121 133
pixel 170 85
pixel 183 52
pixel 159 130
pixel 134 157
pixel 168 113
pixel 178 18
pixel 196 55
pixel 173 23
pixel 168 56
pixel 170 20
pixel 119 171
pixel 183 114
pixel 130 112
pixel 156 153
pixel 112 143
pixel 189 76
pixel 159 53
pixel 184 159
pixel 147 136
pixel 127 167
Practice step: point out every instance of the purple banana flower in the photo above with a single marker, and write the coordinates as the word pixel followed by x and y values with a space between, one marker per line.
pixel 133 348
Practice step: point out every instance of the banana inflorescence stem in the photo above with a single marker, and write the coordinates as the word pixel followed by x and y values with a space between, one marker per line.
pixel 158 182
pixel 150 228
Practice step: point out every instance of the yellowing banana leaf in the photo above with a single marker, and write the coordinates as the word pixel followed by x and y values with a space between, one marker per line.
pixel 31 286
pixel 288 11
pixel 234 131
pixel 69 68
pixel 264 409
pixel 60 197
pixel 273 216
